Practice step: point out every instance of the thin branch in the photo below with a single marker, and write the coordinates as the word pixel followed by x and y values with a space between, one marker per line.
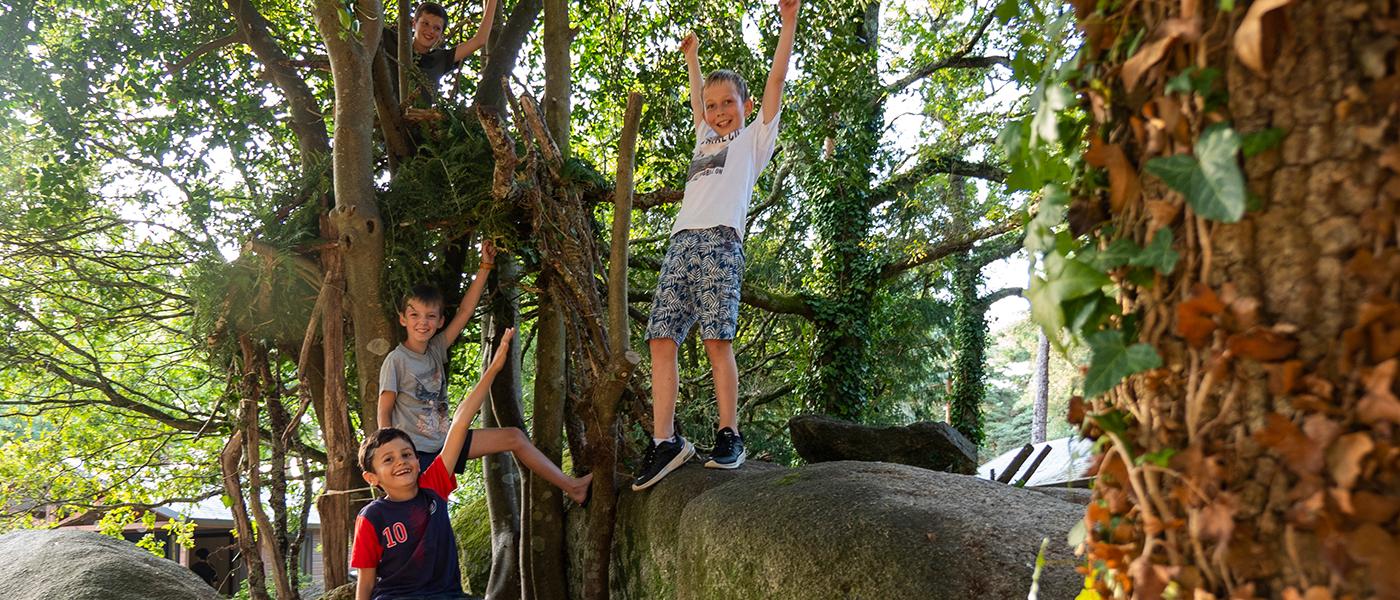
pixel 997 296
pixel 205 48
pixel 946 248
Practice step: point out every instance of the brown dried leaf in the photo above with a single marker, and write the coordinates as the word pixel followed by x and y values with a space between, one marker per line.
pixel 1152 52
pixel 1283 377
pixel 1344 458
pixel 1256 40
pixel 1123 183
pixel 1193 317
pixel 1283 437
pixel 1379 403
pixel 1217 520
pixel 1342 498
pixel 1149 580
pixel 1076 411
pixel 1162 213
pixel 1263 345
pixel 1371 507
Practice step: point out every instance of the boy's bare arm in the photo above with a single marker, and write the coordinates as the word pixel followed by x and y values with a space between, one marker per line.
pixel 364 584
pixel 464 312
pixel 385 412
pixel 773 91
pixel 467 408
pixel 690 47
pixel 483 34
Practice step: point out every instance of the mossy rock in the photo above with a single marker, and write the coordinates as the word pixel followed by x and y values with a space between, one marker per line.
pixel 838 530
pixel 43 564
pixel 472 526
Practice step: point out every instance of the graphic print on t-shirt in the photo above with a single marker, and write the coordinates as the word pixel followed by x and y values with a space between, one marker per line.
pixel 708 164
pixel 434 414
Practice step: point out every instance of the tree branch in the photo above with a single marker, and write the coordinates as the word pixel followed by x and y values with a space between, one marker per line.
pixel 945 164
pixel 202 49
pixel 959 59
pixel 656 198
pixel 752 296
pixel 946 248
pixel 997 296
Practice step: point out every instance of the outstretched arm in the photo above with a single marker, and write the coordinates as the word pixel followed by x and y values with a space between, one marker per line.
pixel 364 583
pixel 690 47
pixel 773 91
pixel 468 306
pixel 466 409
pixel 483 34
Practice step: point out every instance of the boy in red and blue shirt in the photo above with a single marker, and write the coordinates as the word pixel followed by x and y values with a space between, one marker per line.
pixel 404 545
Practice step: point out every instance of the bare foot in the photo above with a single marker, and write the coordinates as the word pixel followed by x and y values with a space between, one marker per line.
pixel 579 490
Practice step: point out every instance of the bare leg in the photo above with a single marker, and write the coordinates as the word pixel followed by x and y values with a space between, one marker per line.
pixel 495 440
pixel 726 374
pixel 664 382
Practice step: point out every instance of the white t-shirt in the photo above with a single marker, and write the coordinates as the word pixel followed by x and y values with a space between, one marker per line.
pixel 723 170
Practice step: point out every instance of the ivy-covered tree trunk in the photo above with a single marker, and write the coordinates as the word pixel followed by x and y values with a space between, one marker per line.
pixel 1259 460
pixel 970 339
pixel 847 276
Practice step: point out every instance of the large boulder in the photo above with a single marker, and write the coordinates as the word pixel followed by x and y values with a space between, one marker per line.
pixel 837 530
pixel 928 445
pixel 44 564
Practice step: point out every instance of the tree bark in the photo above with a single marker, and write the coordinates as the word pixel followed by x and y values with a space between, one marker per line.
pixel 1277 395
pixel 229 461
pixel 542 528
pixel 251 387
pixel 504 53
pixel 307 122
pixel 501 472
pixel 334 505
pixel 1041 389
pixel 558 81
pixel 356 217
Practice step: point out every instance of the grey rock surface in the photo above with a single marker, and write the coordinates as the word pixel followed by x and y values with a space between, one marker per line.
pixel 837 530
pixel 48 564
pixel 928 445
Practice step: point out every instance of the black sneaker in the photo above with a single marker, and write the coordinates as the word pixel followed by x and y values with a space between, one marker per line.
pixel 661 459
pixel 729 450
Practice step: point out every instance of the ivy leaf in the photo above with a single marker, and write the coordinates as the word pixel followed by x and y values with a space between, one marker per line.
pixel 1114 360
pixel 1158 254
pixel 1008 10
pixel 1117 254
pixel 1259 141
pixel 1211 181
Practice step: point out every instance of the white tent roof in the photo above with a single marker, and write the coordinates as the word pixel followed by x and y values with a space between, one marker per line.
pixel 1068 460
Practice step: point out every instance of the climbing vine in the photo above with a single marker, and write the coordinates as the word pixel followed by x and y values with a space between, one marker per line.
pixel 1243 450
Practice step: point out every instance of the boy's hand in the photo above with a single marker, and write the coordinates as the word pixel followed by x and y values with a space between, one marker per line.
pixel 488 253
pixel 787 9
pixel 498 362
pixel 690 46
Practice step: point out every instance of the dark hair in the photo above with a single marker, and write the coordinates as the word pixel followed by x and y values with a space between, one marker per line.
pixel 431 8
pixel 424 294
pixel 377 439
pixel 719 75
pixel 202 553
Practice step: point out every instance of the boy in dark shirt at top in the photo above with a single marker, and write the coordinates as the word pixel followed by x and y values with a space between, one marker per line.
pixel 429 21
pixel 404 545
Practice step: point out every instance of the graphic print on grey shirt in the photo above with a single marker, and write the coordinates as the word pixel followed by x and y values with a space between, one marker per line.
pixel 420 409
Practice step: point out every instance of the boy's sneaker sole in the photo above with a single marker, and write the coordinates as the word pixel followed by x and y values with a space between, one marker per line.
pixel 711 464
pixel 675 463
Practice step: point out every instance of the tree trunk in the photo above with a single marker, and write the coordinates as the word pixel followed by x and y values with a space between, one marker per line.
pixel 542 528
pixel 558 81
pixel 838 384
pixel 504 53
pixel 229 463
pixel 1041 389
pixel 1279 333
pixel 334 505
pixel 500 470
pixel 356 214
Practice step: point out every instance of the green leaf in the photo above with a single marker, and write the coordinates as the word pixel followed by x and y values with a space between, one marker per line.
pixel 1258 141
pixel 1113 421
pixel 1117 254
pixel 1008 10
pixel 1227 5
pixel 1158 254
pixel 1114 360
pixel 1211 181
pixel 1159 458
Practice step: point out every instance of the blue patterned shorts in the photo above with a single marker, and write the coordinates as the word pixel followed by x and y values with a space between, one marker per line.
pixel 700 279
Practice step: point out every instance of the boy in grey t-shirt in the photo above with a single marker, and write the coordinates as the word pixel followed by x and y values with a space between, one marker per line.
pixel 412 382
